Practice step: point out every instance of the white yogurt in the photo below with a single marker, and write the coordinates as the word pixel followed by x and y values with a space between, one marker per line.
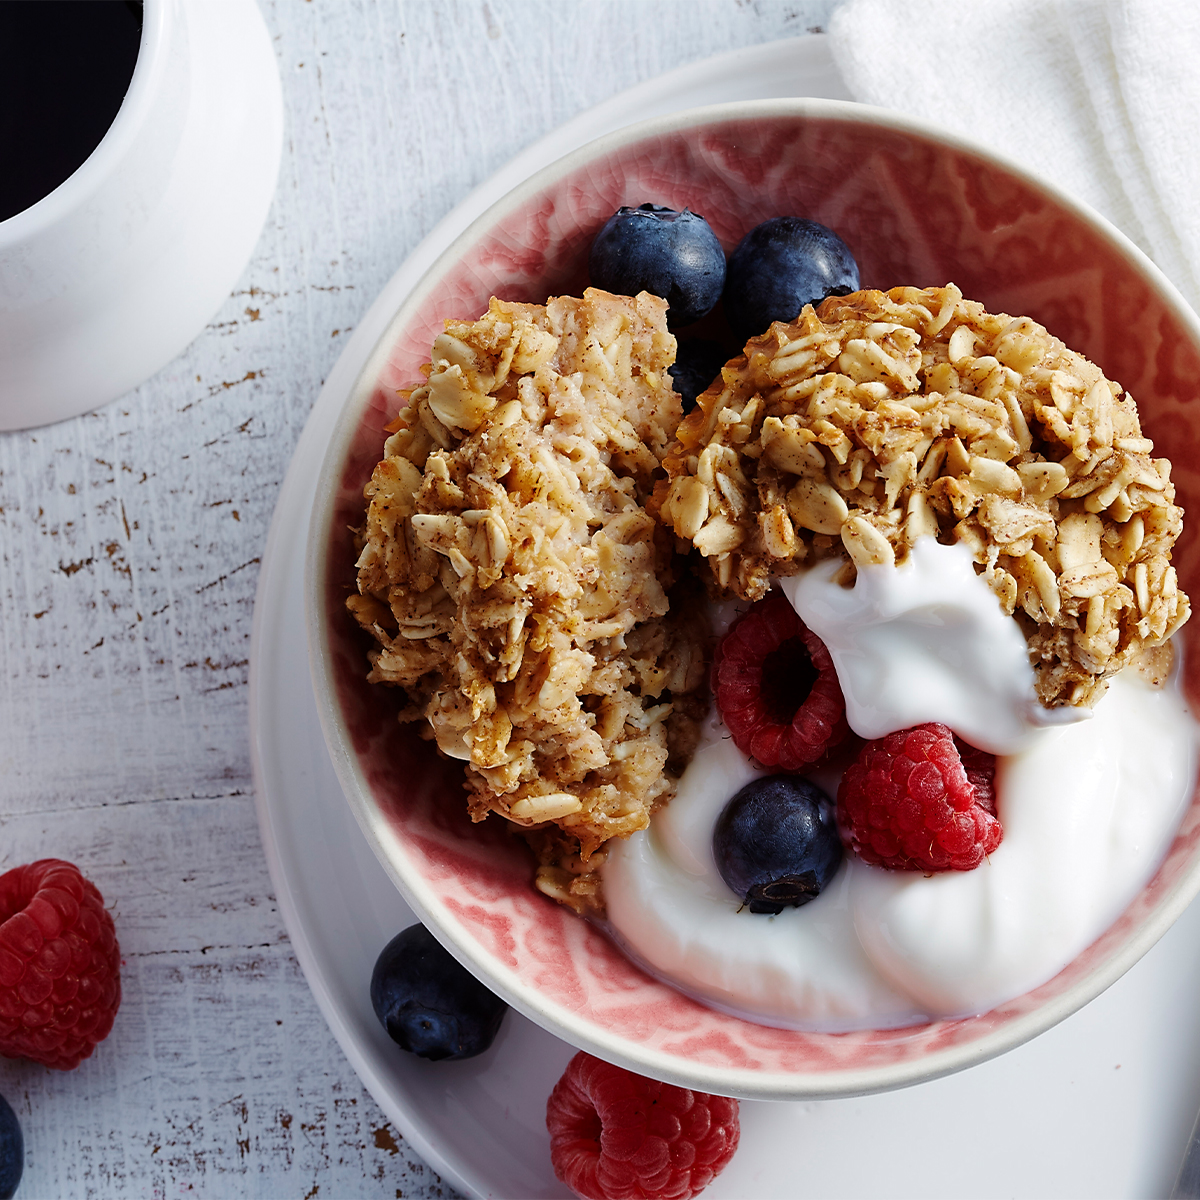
pixel 1088 811
pixel 926 641
pixel 670 908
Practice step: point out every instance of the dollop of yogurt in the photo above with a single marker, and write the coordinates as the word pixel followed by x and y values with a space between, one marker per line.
pixel 926 641
pixel 1088 811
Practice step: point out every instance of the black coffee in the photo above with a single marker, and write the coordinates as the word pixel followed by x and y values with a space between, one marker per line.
pixel 65 66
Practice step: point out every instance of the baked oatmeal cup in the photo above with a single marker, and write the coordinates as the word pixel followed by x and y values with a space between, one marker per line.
pixel 880 418
pixel 516 587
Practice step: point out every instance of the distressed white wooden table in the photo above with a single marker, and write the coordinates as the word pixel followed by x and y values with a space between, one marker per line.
pixel 131 540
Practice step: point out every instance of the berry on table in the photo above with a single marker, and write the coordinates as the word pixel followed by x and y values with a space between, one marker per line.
pixel 776 843
pixel 779 267
pixel 776 688
pixel 12 1151
pixel 60 983
pixel 428 1002
pixel 615 1135
pixel 655 249
pixel 908 803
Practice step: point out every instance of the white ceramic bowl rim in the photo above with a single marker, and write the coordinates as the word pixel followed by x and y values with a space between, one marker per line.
pixel 89 176
pixel 382 838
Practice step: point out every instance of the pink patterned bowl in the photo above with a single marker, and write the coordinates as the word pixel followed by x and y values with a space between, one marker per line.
pixel 917 206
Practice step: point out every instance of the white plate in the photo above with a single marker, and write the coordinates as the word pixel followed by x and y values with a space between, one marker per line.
pixel 1099 1106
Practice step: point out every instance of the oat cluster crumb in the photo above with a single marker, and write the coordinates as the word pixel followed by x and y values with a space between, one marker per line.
pixel 516 587
pixel 880 417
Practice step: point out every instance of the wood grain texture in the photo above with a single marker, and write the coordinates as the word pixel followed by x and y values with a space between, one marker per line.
pixel 131 540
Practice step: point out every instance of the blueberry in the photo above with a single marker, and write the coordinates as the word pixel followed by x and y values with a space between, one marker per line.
pixel 698 361
pixel 12 1151
pixel 674 255
pixel 428 1002
pixel 776 843
pixel 779 267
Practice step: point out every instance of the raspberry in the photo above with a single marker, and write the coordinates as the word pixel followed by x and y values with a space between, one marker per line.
pixel 776 688
pixel 615 1135
pixel 980 767
pixel 59 965
pixel 911 802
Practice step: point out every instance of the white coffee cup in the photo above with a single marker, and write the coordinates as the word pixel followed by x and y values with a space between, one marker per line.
pixel 109 276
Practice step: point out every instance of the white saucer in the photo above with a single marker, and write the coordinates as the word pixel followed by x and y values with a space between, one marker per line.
pixel 1099 1106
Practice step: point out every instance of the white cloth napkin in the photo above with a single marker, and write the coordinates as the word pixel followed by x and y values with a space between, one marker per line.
pixel 1101 97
